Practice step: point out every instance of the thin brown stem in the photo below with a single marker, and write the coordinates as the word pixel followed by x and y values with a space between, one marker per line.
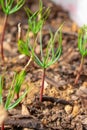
pixel 2 38
pixel 80 70
pixel 2 127
pixel 42 87
pixel 18 95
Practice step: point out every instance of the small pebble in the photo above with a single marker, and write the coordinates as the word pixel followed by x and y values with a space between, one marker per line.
pixel 76 110
pixel 68 109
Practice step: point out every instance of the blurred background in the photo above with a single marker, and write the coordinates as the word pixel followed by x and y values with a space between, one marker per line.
pixel 76 9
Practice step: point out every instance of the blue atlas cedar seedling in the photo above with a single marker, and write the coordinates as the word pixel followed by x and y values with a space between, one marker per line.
pixel 49 57
pixel 9 7
pixel 82 46
pixel 14 89
pixel 36 21
pixel 46 59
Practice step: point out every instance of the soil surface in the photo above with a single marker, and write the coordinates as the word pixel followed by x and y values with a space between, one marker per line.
pixel 64 103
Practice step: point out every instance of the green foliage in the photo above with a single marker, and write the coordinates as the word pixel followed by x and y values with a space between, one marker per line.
pixel 35 24
pixel 23 47
pixel 15 87
pixel 37 19
pixel 9 7
pixel 82 41
pixel 11 106
pixel 19 78
pixel 50 56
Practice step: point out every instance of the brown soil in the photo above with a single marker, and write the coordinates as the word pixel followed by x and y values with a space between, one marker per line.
pixel 64 104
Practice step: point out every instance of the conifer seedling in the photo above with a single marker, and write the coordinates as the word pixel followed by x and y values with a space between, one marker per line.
pixel 82 46
pixel 36 21
pixel 47 59
pixel 14 89
pixel 9 7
